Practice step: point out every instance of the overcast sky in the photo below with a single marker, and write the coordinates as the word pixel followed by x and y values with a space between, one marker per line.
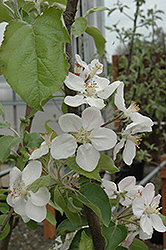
pixel 112 42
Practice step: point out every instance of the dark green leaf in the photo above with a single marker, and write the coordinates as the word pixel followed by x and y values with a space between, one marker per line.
pixel 33 140
pixel 95 197
pixel 6 229
pixel 43 181
pixel 106 163
pixel 55 206
pixel 6 14
pixel 4 208
pixel 2 111
pixel 50 218
pixel 37 50
pixel 79 26
pixel 32 224
pixel 71 162
pixel 98 38
pixel 114 234
pixel 138 245
pixel 7 143
pixel 121 248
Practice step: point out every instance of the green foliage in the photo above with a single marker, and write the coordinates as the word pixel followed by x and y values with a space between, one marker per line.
pixel 43 181
pixel 6 13
pixel 55 206
pixel 93 196
pixel 50 218
pixel 4 208
pixel 32 224
pixel 71 162
pixel 2 112
pixel 6 229
pixel 7 143
pixel 106 163
pixel 114 235
pixel 85 242
pixel 79 26
pixel 32 140
pixel 97 37
pixel 5 125
pixel 99 8
pixel 34 48
pixel 138 245
pixel 77 238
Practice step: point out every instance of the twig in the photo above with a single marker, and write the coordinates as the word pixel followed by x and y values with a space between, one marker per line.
pixel 6 220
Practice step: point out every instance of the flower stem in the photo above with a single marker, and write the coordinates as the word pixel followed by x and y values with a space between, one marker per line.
pixel 110 121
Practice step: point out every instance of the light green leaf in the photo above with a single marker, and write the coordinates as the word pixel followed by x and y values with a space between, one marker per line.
pixel 86 242
pixel 58 1
pixel 114 234
pixel 6 229
pixel 98 38
pixel 32 224
pixel 2 191
pixel 96 9
pixel 71 162
pixel 4 208
pixel 163 217
pixel 43 181
pixel 2 111
pixel 5 125
pixel 34 62
pixel 138 245
pixel 7 143
pixel 33 140
pixel 95 197
pixel 6 14
pixel 62 202
pixel 3 197
pixel 64 108
pixel 79 26
pixel 55 206
pixel 106 163
pixel 50 218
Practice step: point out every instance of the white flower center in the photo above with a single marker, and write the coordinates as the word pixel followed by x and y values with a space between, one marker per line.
pixel 135 138
pixel 90 87
pixel 132 108
pixel 77 69
pixel 153 209
pixel 82 136
pixel 18 190
pixel 97 66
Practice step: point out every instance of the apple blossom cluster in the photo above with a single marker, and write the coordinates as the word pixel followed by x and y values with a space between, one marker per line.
pixel 140 207
pixel 27 204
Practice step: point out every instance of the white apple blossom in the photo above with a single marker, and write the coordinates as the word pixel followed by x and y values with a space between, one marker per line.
pixel 91 91
pixel 130 139
pixel 120 102
pixel 127 189
pixel 87 135
pixel 27 204
pixel 43 149
pixel 146 208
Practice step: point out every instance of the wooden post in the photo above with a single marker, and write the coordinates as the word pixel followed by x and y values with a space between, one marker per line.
pixel 163 189
pixel 49 229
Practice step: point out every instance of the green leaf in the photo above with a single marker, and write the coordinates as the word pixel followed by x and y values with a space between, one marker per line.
pixel 106 163
pixel 62 202
pixel 64 108
pixel 163 217
pixel 71 162
pixel 121 248
pixel 138 245
pixel 77 238
pixel 33 140
pixel 4 208
pixel 2 191
pixel 32 224
pixel 86 242
pixel 6 14
pixel 79 26
pixel 98 38
pixel 6 229
pixel 5 125
pixel 3 197
pixel 2 111
pixel 37 50
pixel 43 181
pixel 58 1
pixel 96 9
pixel 67 226
pixel 95 197
pixel 55 206
pixel 50 218
pixel 114 234
pixel 7 143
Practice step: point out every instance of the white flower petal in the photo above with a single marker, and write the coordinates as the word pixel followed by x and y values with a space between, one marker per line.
pixel 63 146
pixel 148 193
pixel 157 223
pixel 70 122
pixel 91 118
pixel 80 61
pixel 41 197
pixel 15 173
pixel 156 200
pixel 74 101
pixel 118 147
pixel 87 157
pixel 37 153
pixel 146 224
pixel 102 82
pixel 110 188
pixel 127 184
pixel 96 66
pixel 103 138
pixel 31 172
pixel 129 152
pixel 35 213
pixel 95 102
pixel 138 207
pixel 74 82
pixel 144 236
pixel 19 208
pixel 109 90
